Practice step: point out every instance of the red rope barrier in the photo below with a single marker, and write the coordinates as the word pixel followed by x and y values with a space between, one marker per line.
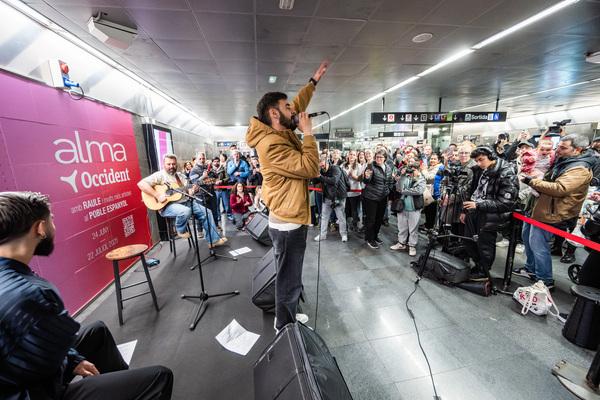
pixel 556 231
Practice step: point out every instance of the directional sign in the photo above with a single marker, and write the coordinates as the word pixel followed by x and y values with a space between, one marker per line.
pixel 398 134
pixel 437 118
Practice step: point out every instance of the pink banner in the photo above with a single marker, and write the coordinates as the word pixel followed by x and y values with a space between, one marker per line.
pixel 83 155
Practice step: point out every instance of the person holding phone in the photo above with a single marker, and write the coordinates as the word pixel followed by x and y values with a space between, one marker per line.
pixel 378 184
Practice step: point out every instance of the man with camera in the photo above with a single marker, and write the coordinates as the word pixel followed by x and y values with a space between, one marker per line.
pixel 287 164
pixel 458 175
pixel 492 198
pixel 562 192
pixel 335 192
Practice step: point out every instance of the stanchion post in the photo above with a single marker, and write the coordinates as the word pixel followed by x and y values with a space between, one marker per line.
pixel 510 254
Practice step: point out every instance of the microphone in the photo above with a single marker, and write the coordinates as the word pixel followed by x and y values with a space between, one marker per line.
pixel 311 115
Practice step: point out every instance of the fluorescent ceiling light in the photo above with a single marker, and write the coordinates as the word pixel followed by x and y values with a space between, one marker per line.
pixel 272 79
pixel 403 83
pixel 57 29
pixel 447 61
pixel 523 24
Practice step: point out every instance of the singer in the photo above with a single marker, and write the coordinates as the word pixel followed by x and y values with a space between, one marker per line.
pixel 287 164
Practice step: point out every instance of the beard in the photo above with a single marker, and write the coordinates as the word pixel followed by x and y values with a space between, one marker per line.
pixel 287 122
pixel 44 247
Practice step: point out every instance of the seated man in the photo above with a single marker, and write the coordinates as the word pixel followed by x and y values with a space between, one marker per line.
pixel 40 348
pixel 182 209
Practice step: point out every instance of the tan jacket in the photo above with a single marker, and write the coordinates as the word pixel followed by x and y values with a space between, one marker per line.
pixel 287 164
pixel 562 199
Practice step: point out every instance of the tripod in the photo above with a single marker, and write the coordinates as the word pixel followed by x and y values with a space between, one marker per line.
pixel 203 296
pixel 212 254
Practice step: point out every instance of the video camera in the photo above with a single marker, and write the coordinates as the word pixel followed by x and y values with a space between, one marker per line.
pixel 557 127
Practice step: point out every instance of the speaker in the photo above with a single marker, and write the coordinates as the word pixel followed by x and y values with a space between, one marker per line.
pixel 258 228
pixel 263 283
pixel 444 267
pixel 297 365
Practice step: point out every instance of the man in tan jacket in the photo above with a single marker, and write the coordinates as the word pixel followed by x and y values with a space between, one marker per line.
pixel 561 195
pixel 287 164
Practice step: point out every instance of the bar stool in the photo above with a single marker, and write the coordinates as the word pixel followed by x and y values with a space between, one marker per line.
pixel 125 253
pixel 583 323
pixel 172 235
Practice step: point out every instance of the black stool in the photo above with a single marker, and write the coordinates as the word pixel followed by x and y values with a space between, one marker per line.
pixel 172 235
pixel 124 253
pixel 583 324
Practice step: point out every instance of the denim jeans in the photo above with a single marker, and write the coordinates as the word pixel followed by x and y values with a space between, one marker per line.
pixel 537 250
pixel 288 247
pixel 182 212
pixel 223 199
pixel 339 212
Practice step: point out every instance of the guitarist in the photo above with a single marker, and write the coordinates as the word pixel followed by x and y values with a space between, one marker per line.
pixel 183 208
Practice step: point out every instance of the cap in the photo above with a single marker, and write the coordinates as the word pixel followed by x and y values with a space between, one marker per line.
pixel 524 143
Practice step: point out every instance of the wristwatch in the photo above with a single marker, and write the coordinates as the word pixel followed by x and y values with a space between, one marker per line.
pixel 314 81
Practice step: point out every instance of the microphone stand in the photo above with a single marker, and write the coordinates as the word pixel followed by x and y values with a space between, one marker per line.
pixel 203 296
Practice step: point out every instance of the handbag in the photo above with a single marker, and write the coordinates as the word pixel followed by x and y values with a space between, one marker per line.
pixel 427 197
pixel 397 204
pixel 418 202
pixel 537 299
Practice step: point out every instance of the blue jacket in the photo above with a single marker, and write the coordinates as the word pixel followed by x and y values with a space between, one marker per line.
pixel 437 182
pixel 36 336
pixel 242 167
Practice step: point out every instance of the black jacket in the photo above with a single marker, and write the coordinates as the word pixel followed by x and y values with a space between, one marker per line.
pixel 380 184
pixel 36 336
pixel 334 187
pixel 501 194
pixel 255 179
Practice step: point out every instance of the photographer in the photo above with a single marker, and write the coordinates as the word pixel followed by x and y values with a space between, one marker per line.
pixel 334 197
pixel 492 198
pixel 378 182
pixel 255 178
pixel 501 145
pixel 410 184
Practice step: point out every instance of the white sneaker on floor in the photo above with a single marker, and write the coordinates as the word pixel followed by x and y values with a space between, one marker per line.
pixel 502 243
pixel 520 249
pixel 398 246
pixel 302 318
pixel 412 251
pixel 344 238
pixel 319 238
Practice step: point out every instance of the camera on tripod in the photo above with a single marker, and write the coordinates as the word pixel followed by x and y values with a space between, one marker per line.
pixel 557 127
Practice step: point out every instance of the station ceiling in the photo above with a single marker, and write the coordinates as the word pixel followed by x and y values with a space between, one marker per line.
pixel 215 56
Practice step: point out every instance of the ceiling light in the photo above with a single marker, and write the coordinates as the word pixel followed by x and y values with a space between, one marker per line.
pixel 422 37
pixel 403 83
pixel 524 23
pixel 237 124
pixel 593 58
pixel 272 79
pixel 447 61
pixel 286 4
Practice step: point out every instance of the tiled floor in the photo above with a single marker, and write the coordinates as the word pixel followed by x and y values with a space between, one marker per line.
pixel 479 348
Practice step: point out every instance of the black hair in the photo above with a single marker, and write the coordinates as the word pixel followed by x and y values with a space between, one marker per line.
pixel 483 151
pixel 268 101
pixel 19 211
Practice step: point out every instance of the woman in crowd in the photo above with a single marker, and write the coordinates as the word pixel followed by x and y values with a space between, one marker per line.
pixel 240 201
pixel 378 180
pixel 362 160
pixel 187 167
pixel 354 171
pixel 410 185
pixel 433 177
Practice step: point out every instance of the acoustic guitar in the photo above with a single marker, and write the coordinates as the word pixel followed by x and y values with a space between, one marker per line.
pixel 153 204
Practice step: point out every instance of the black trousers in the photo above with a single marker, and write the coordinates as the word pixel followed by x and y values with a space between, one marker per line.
pixel 430 212
pixel 352 204
pixel 288 247
pixel 589 275
pixel 116 381
pixel 375 210
pixel 483 252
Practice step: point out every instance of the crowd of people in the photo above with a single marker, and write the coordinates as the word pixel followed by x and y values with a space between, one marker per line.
pixel 464 189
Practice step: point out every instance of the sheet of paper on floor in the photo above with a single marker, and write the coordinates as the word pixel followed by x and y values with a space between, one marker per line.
pixel 126 350
pixel 242 250
pixel 237 339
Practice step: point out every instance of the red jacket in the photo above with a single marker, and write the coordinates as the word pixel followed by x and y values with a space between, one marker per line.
pixel 239 206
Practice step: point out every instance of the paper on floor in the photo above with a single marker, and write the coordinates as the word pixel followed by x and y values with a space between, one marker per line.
pixel 126 350
pixel 236 339
pixel 237 252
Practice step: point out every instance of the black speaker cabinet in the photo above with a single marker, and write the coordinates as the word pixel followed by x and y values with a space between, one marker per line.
pixel 263 283
pixel 297 365
pixel 258 228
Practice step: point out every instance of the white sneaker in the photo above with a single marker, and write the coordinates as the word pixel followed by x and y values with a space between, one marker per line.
pixel 502 243
pixel 318 238
pixel 412 251
pixel 302 318
pixel 520 249
pixel 344 238
pixel 398 246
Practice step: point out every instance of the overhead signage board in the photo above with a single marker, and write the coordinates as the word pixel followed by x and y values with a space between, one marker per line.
pixel 344 133
pixel 398 134
pixel 436 118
